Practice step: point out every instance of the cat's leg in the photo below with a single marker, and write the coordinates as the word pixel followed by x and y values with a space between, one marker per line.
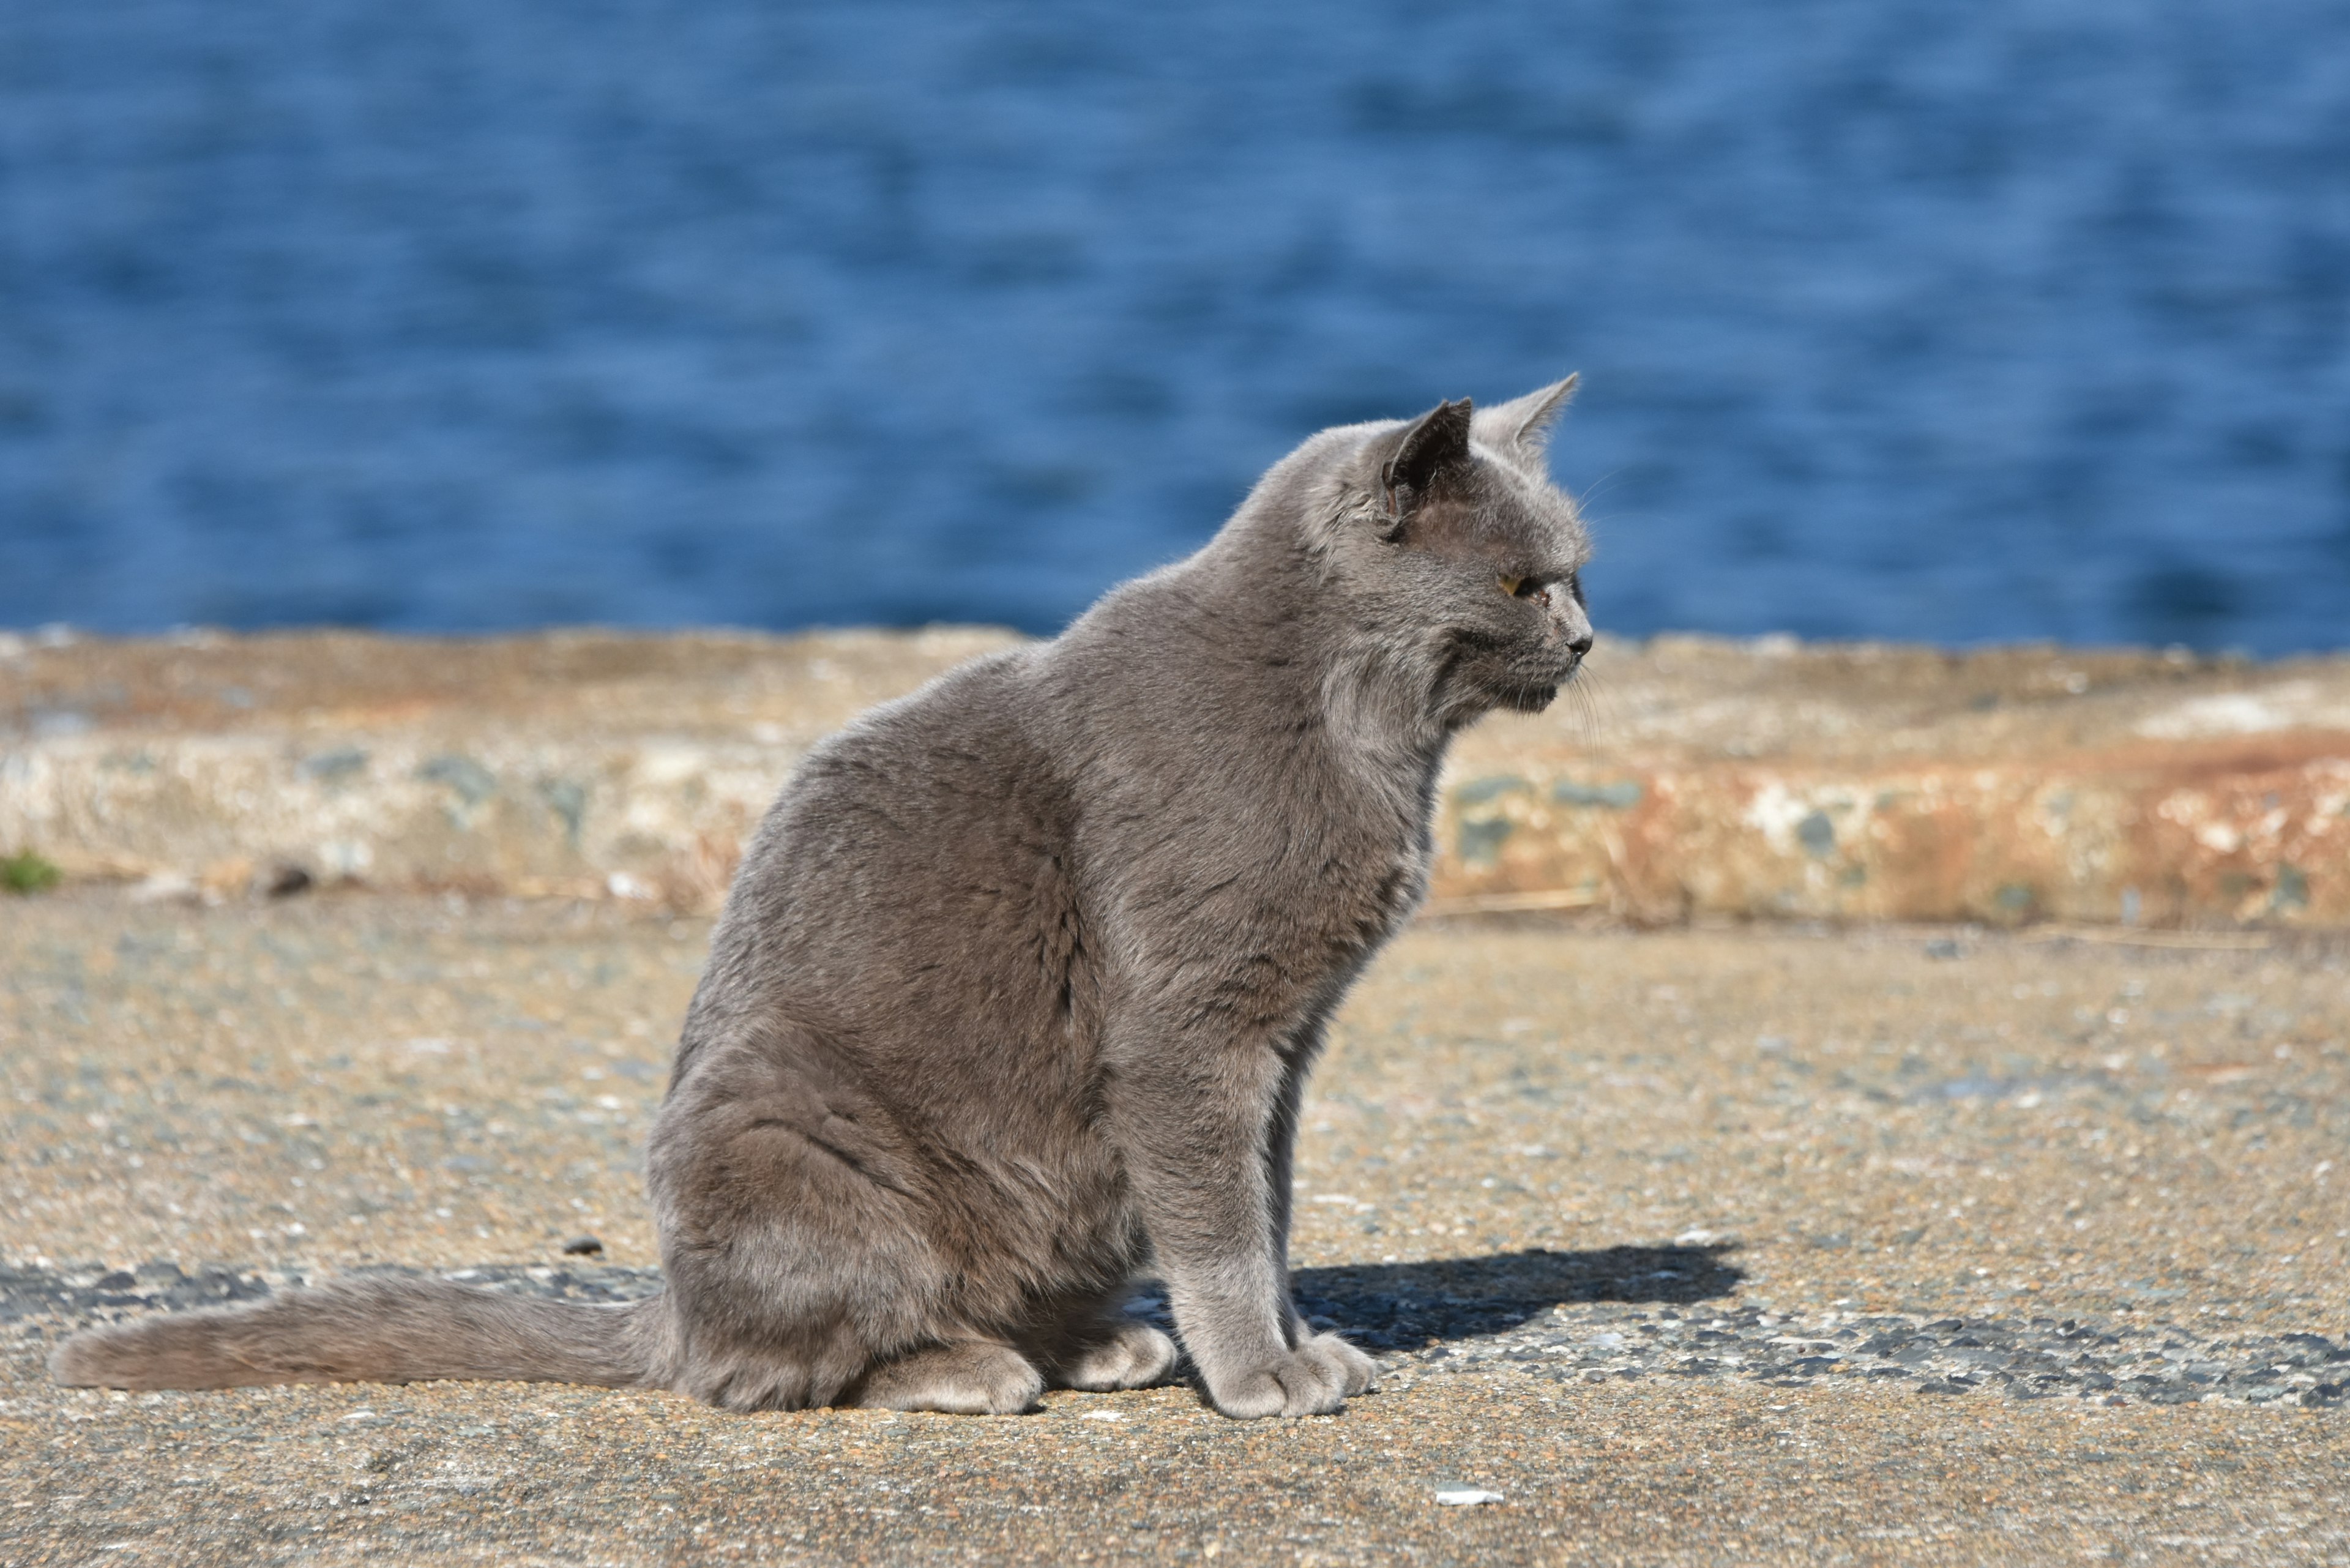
pixel 793 1238
pixel 962 1377
pixel 1280 1151
pixel 1201 1125
pixel 1355 1367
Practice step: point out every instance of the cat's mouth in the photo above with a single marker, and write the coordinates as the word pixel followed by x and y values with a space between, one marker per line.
pixel 1531 695
pixel 1486 672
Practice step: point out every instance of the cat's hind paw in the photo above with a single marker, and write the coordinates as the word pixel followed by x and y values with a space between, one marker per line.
pixel 1136 1357
pixel 966 1378
pixel 1314 1379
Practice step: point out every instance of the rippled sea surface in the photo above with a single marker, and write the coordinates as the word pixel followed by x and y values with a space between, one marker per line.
pixel 2011 318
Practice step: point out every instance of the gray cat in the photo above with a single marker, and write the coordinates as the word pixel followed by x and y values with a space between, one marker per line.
pixel 1017 988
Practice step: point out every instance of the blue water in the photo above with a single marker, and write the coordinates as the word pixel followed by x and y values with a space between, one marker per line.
pixel 1963 321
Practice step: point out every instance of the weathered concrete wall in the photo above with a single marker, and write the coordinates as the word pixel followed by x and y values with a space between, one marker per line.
pixel 1877 783
pixel 2203 835
pixel 1688 776
pixel 576 763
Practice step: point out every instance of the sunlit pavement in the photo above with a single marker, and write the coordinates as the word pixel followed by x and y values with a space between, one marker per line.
pixel 1895 1245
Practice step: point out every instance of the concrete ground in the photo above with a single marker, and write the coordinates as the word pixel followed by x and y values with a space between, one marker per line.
pixel 1715 1246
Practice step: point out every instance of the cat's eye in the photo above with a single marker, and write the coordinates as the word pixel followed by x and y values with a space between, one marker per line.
pixel 1525 589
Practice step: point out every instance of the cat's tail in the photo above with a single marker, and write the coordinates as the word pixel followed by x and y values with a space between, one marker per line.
pixel 371 1329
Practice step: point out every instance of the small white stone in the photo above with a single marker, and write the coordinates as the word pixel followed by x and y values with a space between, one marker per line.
pixel 162 887
pixel 1101 1416
pixel 1465 1496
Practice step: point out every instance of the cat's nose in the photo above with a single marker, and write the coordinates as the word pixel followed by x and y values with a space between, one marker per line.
pixel 1572 628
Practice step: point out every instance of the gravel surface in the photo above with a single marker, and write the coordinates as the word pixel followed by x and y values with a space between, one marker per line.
pixel 1418 1322
pixel 1701 1246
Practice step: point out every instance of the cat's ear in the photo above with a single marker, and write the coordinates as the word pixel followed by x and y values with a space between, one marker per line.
pixel 1525 422
pixel 1439 437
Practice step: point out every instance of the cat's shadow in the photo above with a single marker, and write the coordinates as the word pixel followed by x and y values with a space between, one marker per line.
pixel 1404 1306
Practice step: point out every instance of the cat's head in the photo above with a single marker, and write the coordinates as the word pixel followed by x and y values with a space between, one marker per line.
pixel 1458 536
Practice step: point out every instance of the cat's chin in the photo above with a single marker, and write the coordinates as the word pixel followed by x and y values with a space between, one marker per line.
pixel 1528 698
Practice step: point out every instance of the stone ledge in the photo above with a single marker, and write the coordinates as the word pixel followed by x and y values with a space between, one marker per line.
pixel 1687 778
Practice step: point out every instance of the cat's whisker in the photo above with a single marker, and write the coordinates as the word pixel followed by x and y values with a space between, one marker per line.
pixel 1589 708
pixel 1591 493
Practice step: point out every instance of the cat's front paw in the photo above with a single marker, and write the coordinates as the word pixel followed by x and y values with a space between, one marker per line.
pixel 1314 1379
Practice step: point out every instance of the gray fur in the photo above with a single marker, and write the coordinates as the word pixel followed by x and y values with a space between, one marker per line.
pixel 371 1329
pixel 1018 986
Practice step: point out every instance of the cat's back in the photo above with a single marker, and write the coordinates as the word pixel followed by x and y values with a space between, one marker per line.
pixel 960 747
pixel 975 785
pixel 914 867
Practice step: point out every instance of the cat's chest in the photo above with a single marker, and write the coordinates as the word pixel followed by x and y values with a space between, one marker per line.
pixel 1315 868
pixel 1403 878
pixel 1369 878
